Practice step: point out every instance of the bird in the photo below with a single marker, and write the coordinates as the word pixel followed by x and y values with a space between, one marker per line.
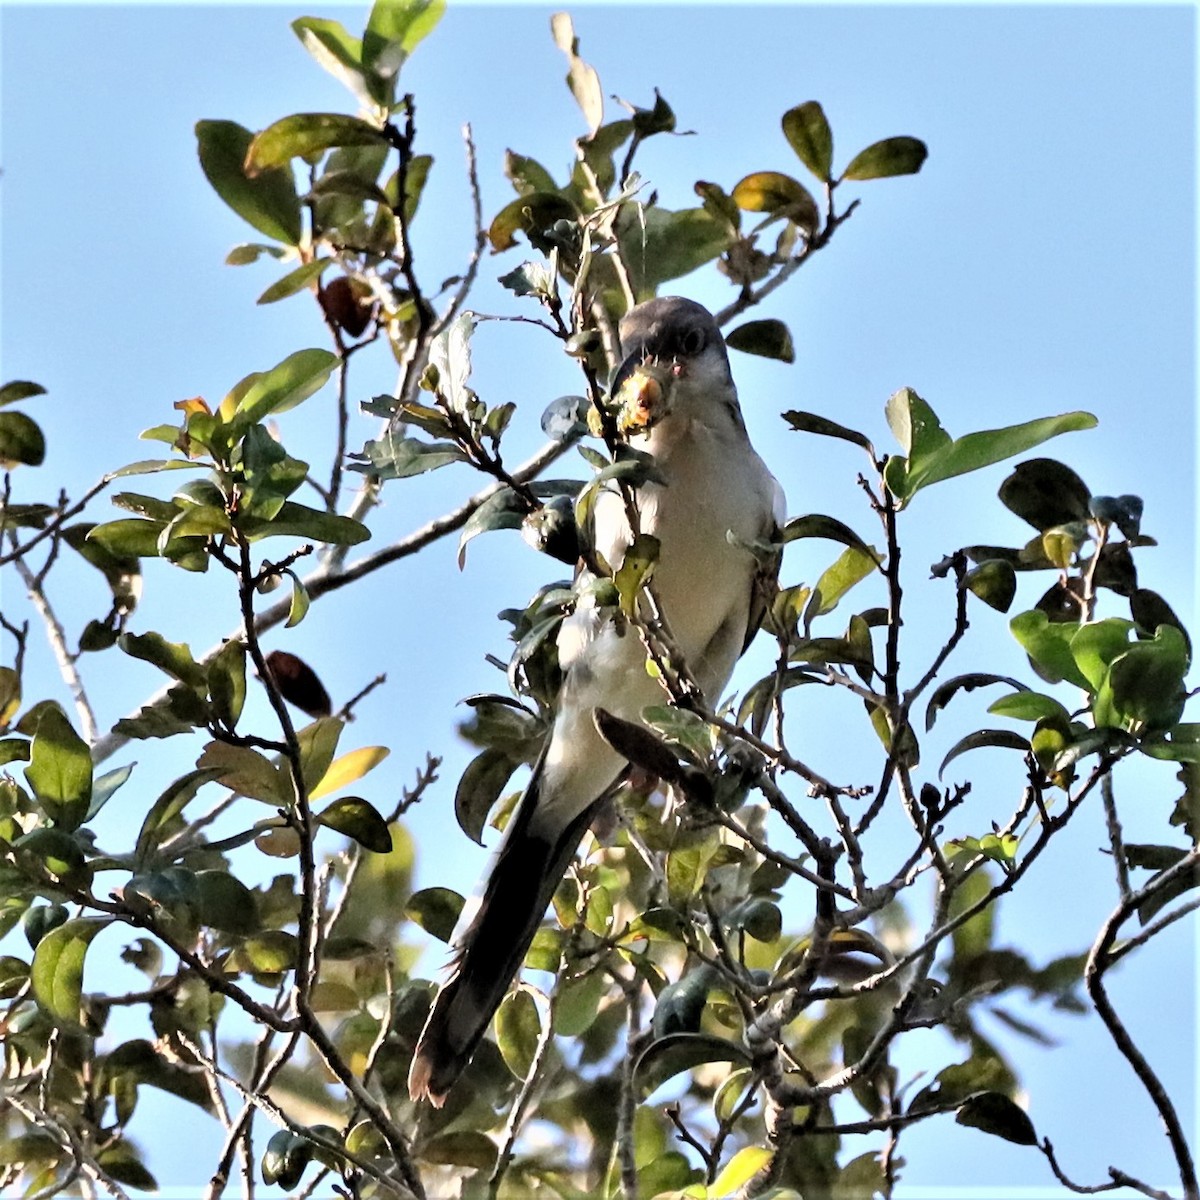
pixel 710 495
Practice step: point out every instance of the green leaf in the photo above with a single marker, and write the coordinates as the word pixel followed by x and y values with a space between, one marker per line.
pixel 269 953
pixel 1048 645
pixel 295 281
pixel 739 1170
pixel 244 770
pixel 768 339
pixel 13 974
pixel 57 970
pixel 581 78
pixel 19 389
pixel 1029 706
pixel 463 1148
pixel 298 520
pixel 60 770
pixel 40 919
pixel 679 725
pixel 351 185
pixel 302 134
pixel 809 135
pixel 415 175
pixel 576 1003
pixel 915 426
pixel 665 245
pixel 1150 610
pixel 503 509
pixel 758 916
pixel 1180 744
pixel 397 457
pixel 806 422
pixel 995 1113
pixel 529 279
pixel 527 175
pixel 1146 681
pixel 966 683
pixel 166 808
pixel 1154 857
pixel 183 712
pixel 1095 645
pixel 680 1005
pixel 57 851
pixel 1004 738
pixel 669 1056
pixel 1045 493
pixel 152 466
pixel 777 194
pixel 436 910
pixel 120 1162
pixel 816 525
pixel 285 1159
pixel 298 609
pixel 225 903
pixel 531 214
pixel 267 201
pixel 21 441
pixel 337 52
pixel 318 744
pixel 994 581
pixel 175 658
pixel 25 516
pixel 358 820
pixel 482 782
pixel 104 787
pixel 227 682
pixel 250 252
pixel 10 695
pixel 394 29
pixel 632 467
pixel 285 385
pixel 933 456
pixel 13 750
pixel 852 566
pixel 518 1031
pixel 892 156
pixel 637 565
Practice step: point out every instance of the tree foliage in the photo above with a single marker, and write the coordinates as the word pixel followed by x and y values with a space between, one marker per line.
pixel 736 939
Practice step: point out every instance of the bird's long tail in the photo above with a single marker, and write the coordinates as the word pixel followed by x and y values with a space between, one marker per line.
pixel 529 865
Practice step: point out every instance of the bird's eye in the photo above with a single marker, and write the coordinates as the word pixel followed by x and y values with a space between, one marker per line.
pixel 693 341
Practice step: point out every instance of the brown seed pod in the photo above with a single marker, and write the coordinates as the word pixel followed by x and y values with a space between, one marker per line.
pixel 348 304
pixel 298 684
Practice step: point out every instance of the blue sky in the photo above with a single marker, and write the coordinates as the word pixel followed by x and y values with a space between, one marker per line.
pixel 1042 261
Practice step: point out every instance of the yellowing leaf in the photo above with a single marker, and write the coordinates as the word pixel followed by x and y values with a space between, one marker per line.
pixel 348 768
pixel 739 1170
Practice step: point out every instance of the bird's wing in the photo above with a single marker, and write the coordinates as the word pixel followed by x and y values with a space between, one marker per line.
pixel 765 581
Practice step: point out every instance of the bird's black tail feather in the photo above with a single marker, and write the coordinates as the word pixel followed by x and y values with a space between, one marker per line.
pixel 488 954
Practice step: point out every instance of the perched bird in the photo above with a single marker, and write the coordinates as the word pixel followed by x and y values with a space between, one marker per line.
pixel 683 410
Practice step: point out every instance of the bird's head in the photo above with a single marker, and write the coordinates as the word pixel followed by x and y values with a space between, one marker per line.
pixel 673 359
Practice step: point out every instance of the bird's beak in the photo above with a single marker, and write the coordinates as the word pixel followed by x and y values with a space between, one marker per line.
pixel 627 368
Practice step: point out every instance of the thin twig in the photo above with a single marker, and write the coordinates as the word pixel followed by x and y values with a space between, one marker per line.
pixel 1115 839
pixel 57 637
pixel 1098 962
